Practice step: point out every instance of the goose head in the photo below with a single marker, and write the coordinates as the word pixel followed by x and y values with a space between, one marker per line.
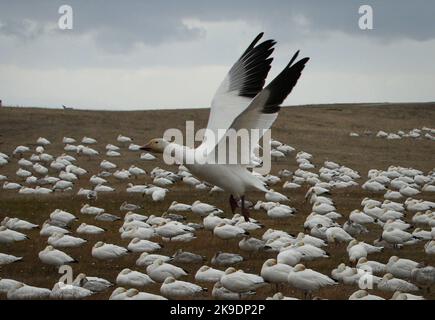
pixel 230 270
pixel 169 280
pixel 299 267
pixel 157 145
pixel 269 263
pixel 99 244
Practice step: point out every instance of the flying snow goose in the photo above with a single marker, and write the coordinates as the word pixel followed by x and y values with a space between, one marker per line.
pixel 239 103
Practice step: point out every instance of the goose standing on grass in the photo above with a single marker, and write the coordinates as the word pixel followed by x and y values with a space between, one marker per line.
pixel 241 102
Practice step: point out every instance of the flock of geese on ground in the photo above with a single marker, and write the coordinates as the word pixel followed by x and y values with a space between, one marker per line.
pixel 425 132
pixel 42 173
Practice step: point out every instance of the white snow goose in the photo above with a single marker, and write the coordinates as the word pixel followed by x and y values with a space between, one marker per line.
pixel 240 102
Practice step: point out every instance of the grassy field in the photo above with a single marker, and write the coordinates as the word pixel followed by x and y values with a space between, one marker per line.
pixel 320 130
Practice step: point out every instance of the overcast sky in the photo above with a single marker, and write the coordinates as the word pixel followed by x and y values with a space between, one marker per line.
pixel 173 54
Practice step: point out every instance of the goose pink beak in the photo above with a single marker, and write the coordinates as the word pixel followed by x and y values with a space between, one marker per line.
pixel 145 147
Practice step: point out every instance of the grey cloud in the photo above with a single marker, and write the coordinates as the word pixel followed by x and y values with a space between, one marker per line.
pixel 118 25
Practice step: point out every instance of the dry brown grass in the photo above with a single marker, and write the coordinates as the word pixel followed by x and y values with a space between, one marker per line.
pixel 320 130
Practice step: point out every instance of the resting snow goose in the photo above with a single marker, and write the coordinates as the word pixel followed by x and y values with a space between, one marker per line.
pixel 132 278
pixel 60 240
pixel 89 229
pixel 55 257
pixel 7 285
pixel 8 236
pixel 274 196
pixel 107 251
pixel 251 244
pixel 238 104
pixel 289 256
pixel 239 281
pixel 159 271
pixel 360 217
pixel 69 292
pixel 26 292
pixel 63 216
pixel 204 209
pixel 179 207
pixel 17 224
pixel 310 252
pixel 274 272
pixel 141 245
pixel 172 229
pixel 186 257
pixel 226 259
pixel 8 259
pixel 389 283
pixel 208 274
pixel 226 231
pixel 396 236
pixel 280 212
pixel 93 284
pixel 176 289
pixel 364 295
pixel 49 229
pixel 337 235
pixel 429 247
pixel 308 280
pixel 146 259
pixel 374 266
pixel 405 296
pixel 401 268
pixel 88 209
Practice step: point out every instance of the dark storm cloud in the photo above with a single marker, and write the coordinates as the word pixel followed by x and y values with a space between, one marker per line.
pixel 117 25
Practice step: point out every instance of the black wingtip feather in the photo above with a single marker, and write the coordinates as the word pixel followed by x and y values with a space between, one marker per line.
pixel 249 73
pixel 282 85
